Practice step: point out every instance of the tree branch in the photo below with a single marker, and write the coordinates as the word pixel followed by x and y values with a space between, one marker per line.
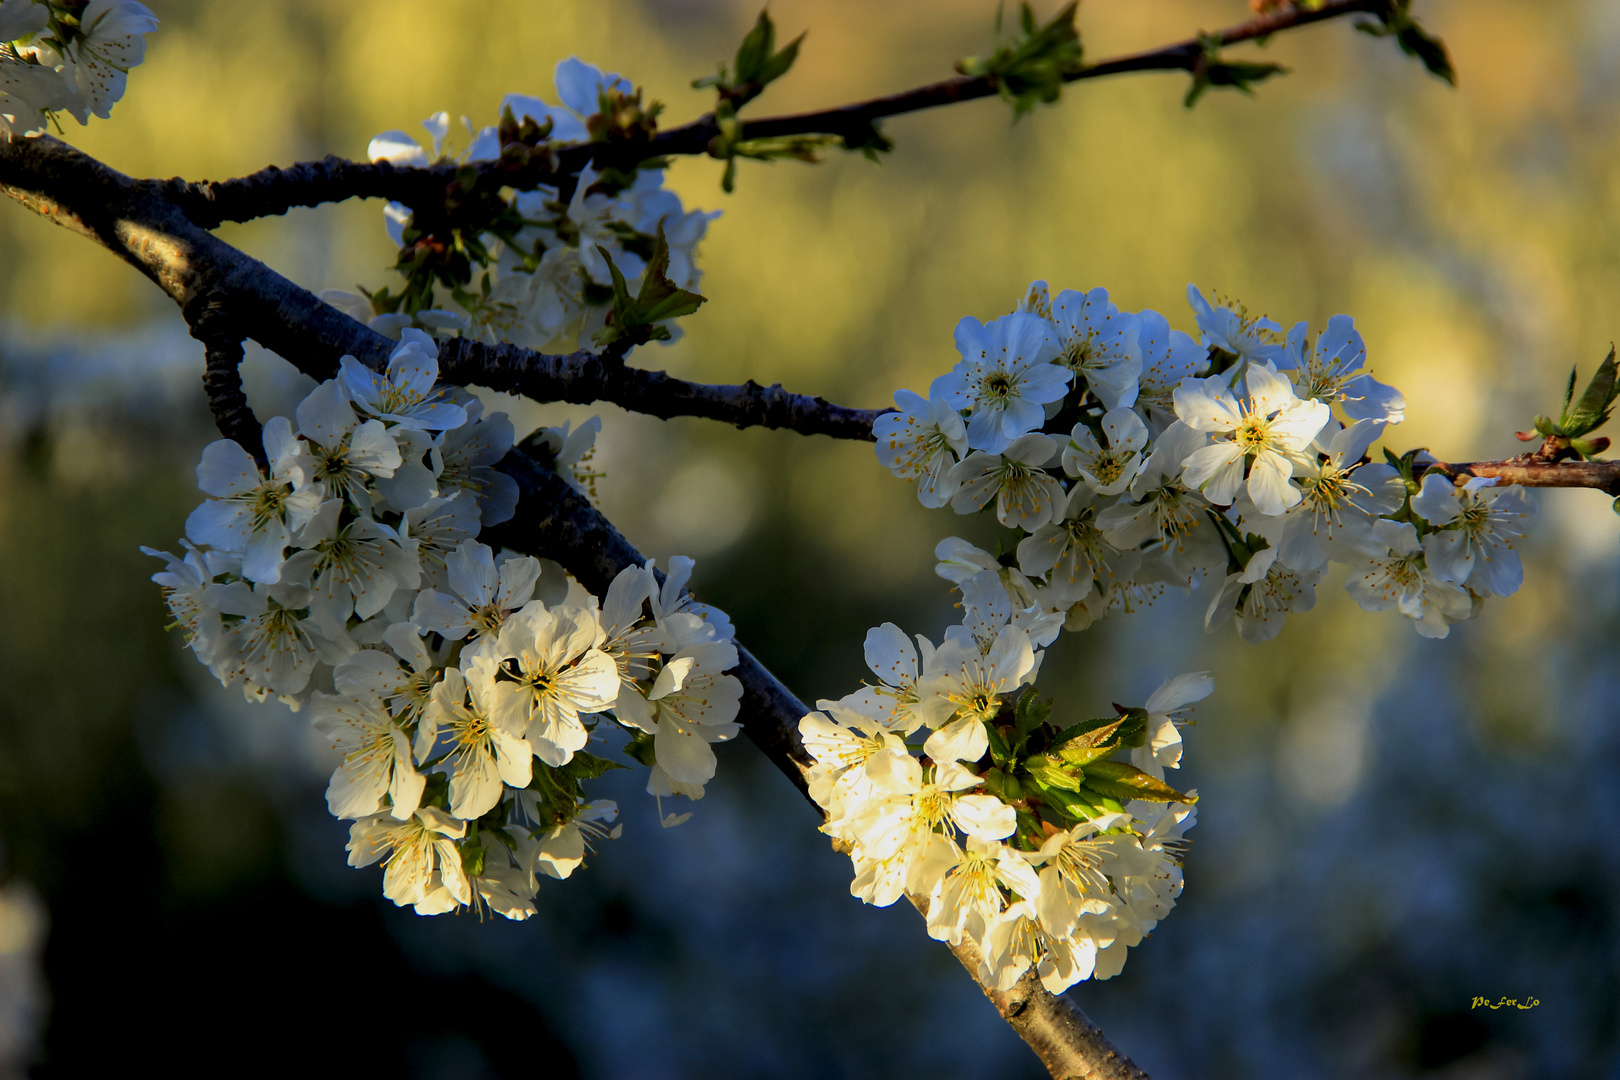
pixel 584 377
pixel 229 296
pixel 1601 475
pixel 137 221
pixel 274 190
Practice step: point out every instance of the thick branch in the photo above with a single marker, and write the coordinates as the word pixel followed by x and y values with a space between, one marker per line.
pixel 229 295
pixel 212 325
pixel 273 190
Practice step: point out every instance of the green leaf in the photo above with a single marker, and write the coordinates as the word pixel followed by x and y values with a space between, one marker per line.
pixel 1030 713
pixel 1596 402
pixel 1397 22
pixel 1087 741
pixel 1212 71
pixel 583 766
pixel 1031 69
pixel 758 64
pixel 1050 776
pixel 659 299
pixel 998 745
pixel 640 748
pixel 1121 781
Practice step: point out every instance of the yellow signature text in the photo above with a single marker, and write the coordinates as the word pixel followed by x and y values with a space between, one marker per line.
pixel 1504 1003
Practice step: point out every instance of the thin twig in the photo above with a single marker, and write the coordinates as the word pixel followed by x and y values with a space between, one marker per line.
pixel 274 190
pixel 1601 475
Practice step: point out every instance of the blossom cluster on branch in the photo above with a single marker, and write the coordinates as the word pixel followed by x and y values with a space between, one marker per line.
pixel 1133 458
pixel 548 258
pixel 461 691
pixel 1029 839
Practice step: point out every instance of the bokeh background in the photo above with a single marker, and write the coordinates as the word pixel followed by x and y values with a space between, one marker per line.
pixel 1390 826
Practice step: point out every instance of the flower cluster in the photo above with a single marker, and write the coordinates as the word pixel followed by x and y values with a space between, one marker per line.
pixel 343 571
pixel 1133 458
pixel 550 255
pixel 1036 842
pixel 65 56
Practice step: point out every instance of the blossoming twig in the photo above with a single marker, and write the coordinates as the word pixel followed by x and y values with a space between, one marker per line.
pixel 273 190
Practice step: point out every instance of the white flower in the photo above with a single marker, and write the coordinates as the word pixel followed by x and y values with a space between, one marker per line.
pixel 356 567
pixel 1074 551
pixel 1098 342
pixel 463 458
pixel 1162 747
pixel 559 673
pixel 968 899
pixel 484 595
pixel 571 452
pixel 412 484
pixel 273 644
pixel 960 560
pixel 1018 941
pixel 96 64
pixel 1333 372
pixel 895 701
pixel 655 209
pixel 21 19
pixel 1260 606
pixel 436 528
pixel 970 683
pixel 250 513
pixel 502 887
pixel 842 741
pixel 1478 524
pixel 1167 516
pixel 1273 427
pixel 1168 357
pixel 405 691
pixel 1016 478
pixel 376 757
pixel 405 394
pixel 985 610
pixel 901 821
pixel 1110 471
pixel 1387 571
pixel 531 307
pixel 185 583
pixel 1229 326
pixel 598 217
pixel 561 849
pixel 922 442
pixel 579 87
pixel 1005 378
pixel 421 853
pixel 1073 884
pixel 690 705
pixel 1338 494
pixel 346 454
pixel 483 753
pixel 627 638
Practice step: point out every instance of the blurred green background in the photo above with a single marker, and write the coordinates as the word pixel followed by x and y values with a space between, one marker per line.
pixel 1390 826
